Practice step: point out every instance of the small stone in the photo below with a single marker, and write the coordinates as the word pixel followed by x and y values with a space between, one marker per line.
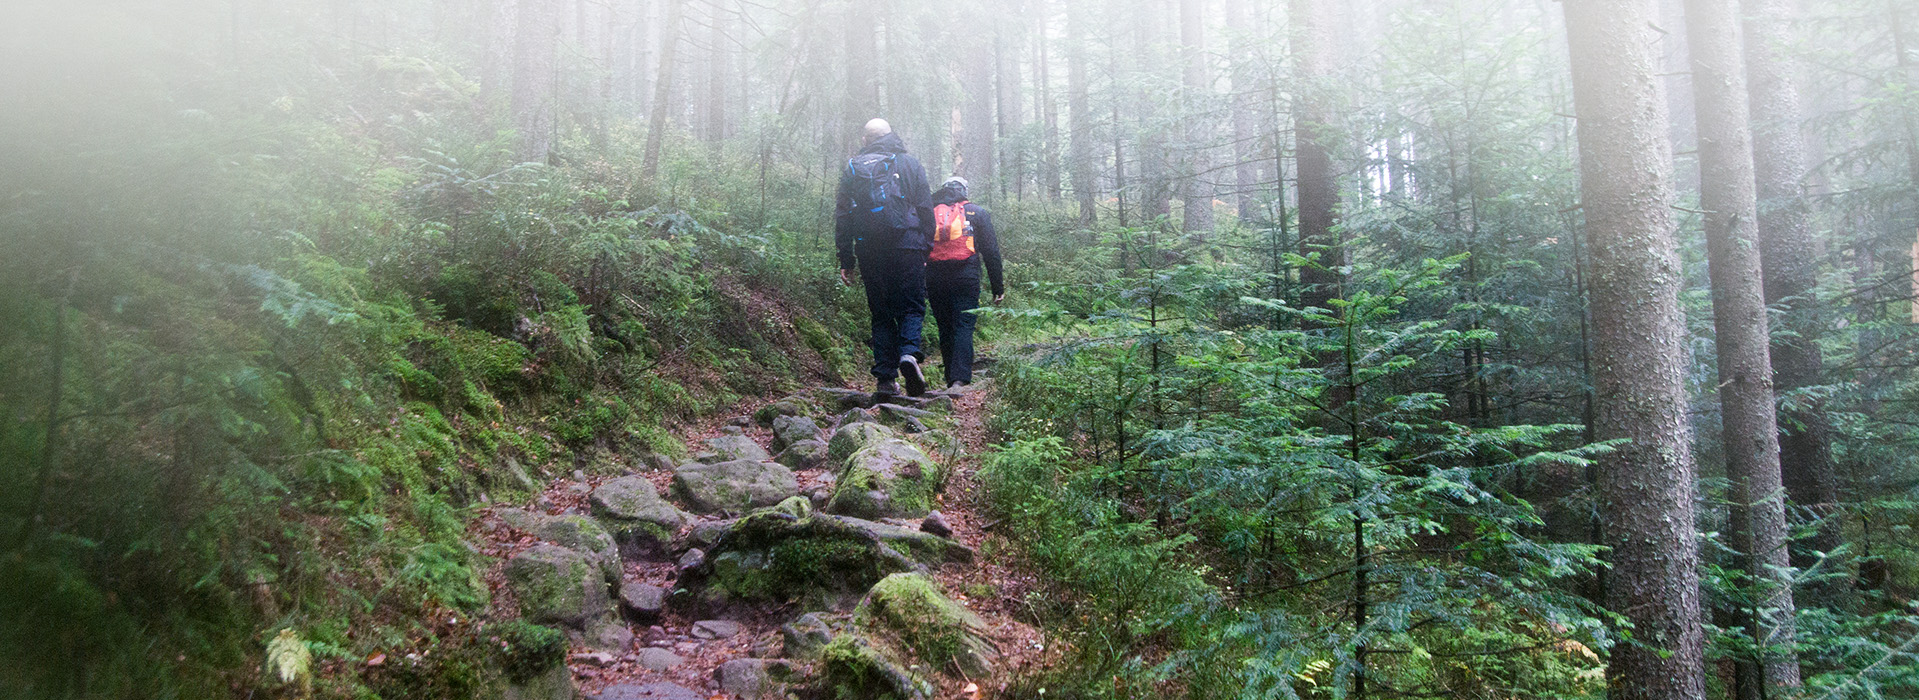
pixel 767 647
pixel 819 496
pixel 857 415
pixel 791 429
pixel 715 629
pixel 732 430
pixel 642 601
pixel 746 678
pixel 935 524
pixel 692 559
pixel 600 659
pixel 649 691
pixel 654 461
pixel 740 421
pixel 657 659
pixel 579 475
pixel 806 636
pixel 656 636
pixel 707 533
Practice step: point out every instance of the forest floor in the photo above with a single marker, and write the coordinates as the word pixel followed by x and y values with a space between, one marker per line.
pixel 1021 646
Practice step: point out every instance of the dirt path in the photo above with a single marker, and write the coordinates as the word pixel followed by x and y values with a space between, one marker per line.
pixel 987 585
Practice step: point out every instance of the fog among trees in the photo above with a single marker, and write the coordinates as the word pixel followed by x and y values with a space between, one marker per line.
pixel 1352 349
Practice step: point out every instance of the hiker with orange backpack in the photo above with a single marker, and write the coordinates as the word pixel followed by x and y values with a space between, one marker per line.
pixel 963 239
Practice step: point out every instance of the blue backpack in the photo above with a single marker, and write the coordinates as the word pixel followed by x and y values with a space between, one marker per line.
pixel 878 199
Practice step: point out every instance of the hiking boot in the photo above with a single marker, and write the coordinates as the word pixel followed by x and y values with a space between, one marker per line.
pixel 910 373
pixel 887 388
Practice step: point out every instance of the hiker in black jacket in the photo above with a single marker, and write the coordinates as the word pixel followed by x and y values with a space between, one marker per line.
pixel 883 226
pixel 963 238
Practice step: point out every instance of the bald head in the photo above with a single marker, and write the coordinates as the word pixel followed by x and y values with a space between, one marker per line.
pixel 877 128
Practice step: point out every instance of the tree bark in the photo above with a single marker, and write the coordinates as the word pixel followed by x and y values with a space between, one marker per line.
pixel 718 70
pixel 1245 123
pixel 1317 185
pixel 1197 204
pixel 1006 53
pixel 1639 355
pixel 1046 109
pixel 1740 330
pixel 662 89
pixel 976 113
pixel 1079 116
pixel 1155 197
pixel 535 84
pixel 1790 258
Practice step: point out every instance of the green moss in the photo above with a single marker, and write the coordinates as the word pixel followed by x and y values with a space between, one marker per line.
pixel 852 670
pixel 528 650
pixel 910 608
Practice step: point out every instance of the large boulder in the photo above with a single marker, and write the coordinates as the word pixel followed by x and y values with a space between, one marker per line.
pixel 641 522
pixel 887 479
pixel 733 487
pixel 909 613
pixel 556 585
pixel 728 448
pixel 853 437
pixel 822 561
pixel 791 429
pixel 575 532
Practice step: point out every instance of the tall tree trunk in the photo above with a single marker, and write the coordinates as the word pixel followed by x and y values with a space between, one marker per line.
pixel 1006 53
pixel 718 70
pixel 1155 199
pixel 662 89
pixel 1046 107
pixel 1740 331
pixel 1198 192
pixel 862 99
pixel 535 78
pixel 1639 365
pixel 1245 121
pixel 1079 116
pixel 1317 184
pixel 1791 264
pixel 976 112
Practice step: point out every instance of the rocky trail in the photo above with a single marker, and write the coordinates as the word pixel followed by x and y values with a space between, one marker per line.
pixel 823 545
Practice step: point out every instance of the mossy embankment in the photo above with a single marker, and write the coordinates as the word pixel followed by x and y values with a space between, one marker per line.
pixel 291 427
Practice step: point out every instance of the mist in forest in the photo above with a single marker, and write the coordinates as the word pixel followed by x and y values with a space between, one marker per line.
pixel 1355 348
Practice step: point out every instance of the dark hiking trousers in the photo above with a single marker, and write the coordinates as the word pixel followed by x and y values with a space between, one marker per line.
pixel 953 290
pixel 896 297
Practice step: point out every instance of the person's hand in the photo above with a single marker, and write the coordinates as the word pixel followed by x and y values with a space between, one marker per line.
pixel 847 278
pixel 997 298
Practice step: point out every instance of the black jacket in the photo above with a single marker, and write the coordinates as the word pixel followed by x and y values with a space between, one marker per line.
pixel 985 239
pixel 918 235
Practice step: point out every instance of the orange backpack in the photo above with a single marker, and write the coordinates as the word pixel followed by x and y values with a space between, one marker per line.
pixel 952 233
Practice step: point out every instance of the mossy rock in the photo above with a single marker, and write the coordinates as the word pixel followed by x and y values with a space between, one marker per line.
pixel 733 487
pixel 789 406
pixel 823 561
pixel 575 532
pixel 729 448
pixel 805 454
pixel 641 522
pixel 854 437
pixel 851 669
pixel 909 610
pixel 888 479
pixel 528 651
pixel 556 585
pixel 804 638
pixel 788 430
